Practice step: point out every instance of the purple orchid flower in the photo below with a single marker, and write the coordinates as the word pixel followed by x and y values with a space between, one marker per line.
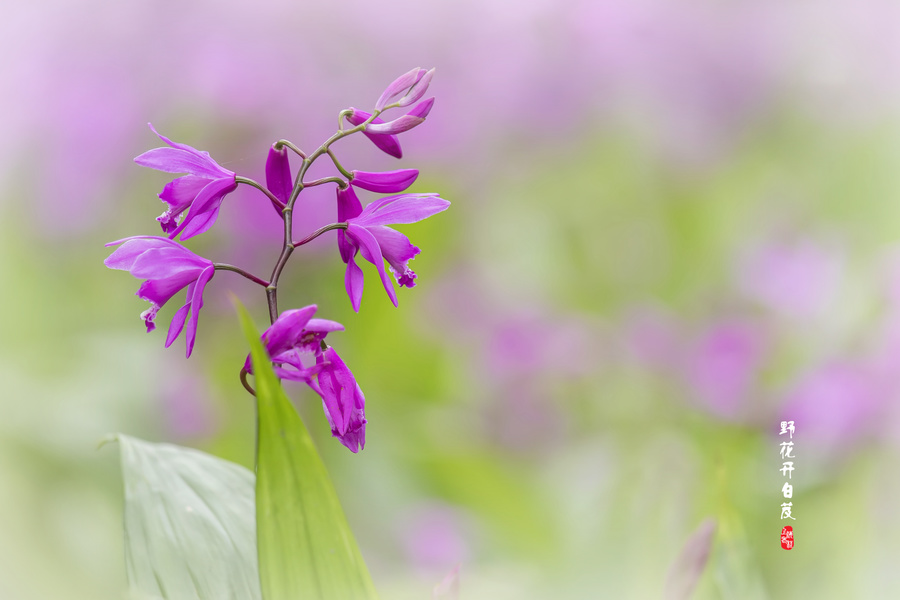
pixel 387 182
pixel 201 190
pixel 368 232
pixel 168 267
pixel 342 400
pixel 387 143
pixel 295 335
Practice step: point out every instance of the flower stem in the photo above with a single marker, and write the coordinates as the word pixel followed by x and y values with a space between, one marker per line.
pixel 290 145
pixel 239 271
pixel 319 232
pixel 278 204
pixel 337 165
pixel 341 183
pixel 287 211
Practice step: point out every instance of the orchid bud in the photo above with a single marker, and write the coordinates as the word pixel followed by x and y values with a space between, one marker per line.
pixel 414 117
pixel 388 144
pixel 388 182
pixel 398 86
pixel 418 90
pixel 278 174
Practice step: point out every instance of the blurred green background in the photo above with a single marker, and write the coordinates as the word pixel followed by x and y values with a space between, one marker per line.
pixel 673 226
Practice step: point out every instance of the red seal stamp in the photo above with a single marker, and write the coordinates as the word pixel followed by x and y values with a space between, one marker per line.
pixel 787 537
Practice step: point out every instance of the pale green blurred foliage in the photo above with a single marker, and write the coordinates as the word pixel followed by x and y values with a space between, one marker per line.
pixel 566 482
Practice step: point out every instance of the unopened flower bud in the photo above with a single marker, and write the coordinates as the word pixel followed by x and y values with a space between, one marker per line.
pixel 388 182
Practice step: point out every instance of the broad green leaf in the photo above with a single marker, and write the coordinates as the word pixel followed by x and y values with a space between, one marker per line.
pixel 306 548
pixel 189 528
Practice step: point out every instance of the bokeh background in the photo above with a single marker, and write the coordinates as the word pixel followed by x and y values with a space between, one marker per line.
pixel 674 225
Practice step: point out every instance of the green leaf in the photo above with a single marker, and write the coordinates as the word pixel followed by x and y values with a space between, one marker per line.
pixel 189 528
pixel 306 548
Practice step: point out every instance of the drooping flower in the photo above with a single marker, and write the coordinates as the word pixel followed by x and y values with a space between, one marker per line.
pixel 168 267
pixel 368 233
pixel 343 401
pixel 295 345
pixel 200 192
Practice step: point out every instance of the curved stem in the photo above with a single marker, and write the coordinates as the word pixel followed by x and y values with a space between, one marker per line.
pixel 319 232
pixel 239 271
pixel 246 385
pixel 287 211
pixel 278 204
pixel 289 144
pixel 338 165
pixel 341 183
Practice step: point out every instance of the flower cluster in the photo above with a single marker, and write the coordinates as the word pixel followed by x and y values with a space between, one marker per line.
pixel 295 340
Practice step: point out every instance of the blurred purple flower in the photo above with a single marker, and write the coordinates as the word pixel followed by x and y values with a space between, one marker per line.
pixel 200 192
pixel 795 279
pixel 368 233
pixel 433 536
pixel 722 365
pixel 296 336
pixel 168 267
pixel 836 403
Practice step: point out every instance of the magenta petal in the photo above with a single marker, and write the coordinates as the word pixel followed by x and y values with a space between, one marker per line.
pixel 278 174
pixel 205 209
pixel 196 305
pixel 287 329
pixel 387 182
pixel 177 323
pixel 348 204
pixel 323 326
pixel 180 192
pixel 353 283
pixel 389 144
pixel 399 125
pixel 372 253
pixel 124 256
pixel 405 208
pixel 397 250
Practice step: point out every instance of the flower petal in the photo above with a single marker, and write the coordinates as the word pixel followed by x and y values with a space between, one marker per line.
pixel 370 250
pixel 398 251
pixel 196 305
pixel 353 283
pixel 205 209
pixel 124 256
pixel 405 208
